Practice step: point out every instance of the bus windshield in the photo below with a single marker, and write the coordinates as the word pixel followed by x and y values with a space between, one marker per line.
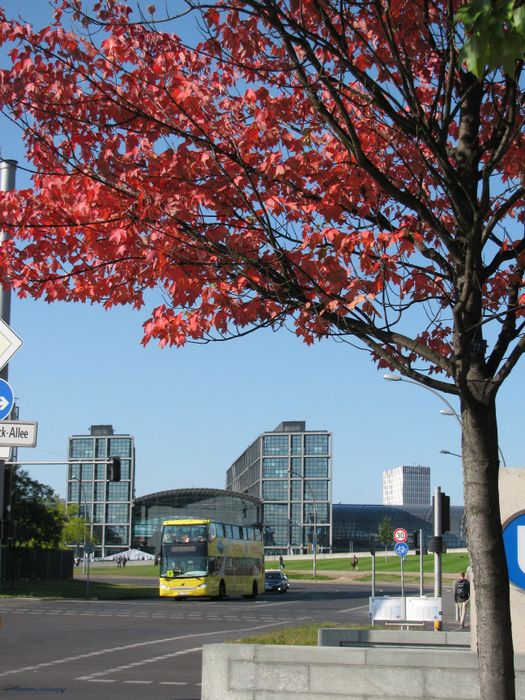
pixel 184 551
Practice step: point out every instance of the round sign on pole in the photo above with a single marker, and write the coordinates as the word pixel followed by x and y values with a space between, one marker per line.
pixel 514 541
pixel 7 399
pixel 401 549
pixel 400 534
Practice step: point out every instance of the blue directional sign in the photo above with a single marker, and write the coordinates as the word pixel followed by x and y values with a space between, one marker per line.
pixel 7 399
pixel 514 540
pixel 401 549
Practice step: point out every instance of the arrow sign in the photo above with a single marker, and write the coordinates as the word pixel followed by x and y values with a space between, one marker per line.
pixel 7 399
pixel 9 343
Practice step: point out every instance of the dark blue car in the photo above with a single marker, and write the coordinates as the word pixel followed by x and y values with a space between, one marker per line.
pixel 276 580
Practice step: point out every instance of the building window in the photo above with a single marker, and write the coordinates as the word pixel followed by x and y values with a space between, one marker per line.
pixel 119 447
pixel 117 535
pixel 275 490
pixel 295 490
pixel 276 512
pixel 118 491
pixel 87 472
pixel 321 513
pixel 275 467
pixel 297 444
pixel 318 488
pixel 316 444
pixel 275 445
pixel 98 513
pixel 100 491
pixel 100 472
pixel 117 513
pixel 316 466
pixel 100 448
pixel 81 448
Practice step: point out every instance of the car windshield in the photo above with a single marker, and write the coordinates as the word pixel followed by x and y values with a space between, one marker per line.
pixel 270 575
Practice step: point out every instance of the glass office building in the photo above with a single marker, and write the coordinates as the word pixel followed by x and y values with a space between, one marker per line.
pixel 290 470
pixel 406 486
pixel 150 511
pixel 353 525
pixel 105 504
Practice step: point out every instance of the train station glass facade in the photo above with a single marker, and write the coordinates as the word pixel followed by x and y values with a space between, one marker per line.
pixel 150 511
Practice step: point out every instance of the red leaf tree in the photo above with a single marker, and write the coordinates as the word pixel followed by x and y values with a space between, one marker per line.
pixel 327 164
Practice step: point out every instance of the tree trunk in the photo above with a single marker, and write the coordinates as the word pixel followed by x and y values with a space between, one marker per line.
pixel 491 582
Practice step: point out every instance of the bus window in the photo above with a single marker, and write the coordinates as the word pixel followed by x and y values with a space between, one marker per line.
pixel 212 532
pixel 228 531
pixel 236 534
pixel 220 530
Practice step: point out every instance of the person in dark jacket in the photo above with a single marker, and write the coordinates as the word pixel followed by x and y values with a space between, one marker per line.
pixel 461 598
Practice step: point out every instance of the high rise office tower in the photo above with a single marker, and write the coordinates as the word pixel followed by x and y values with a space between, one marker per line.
pixel 290 470
pixel 104 503
pixel 406 486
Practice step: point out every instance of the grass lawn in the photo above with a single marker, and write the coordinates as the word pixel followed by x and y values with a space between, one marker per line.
pixel 305 635
pixel 77 589
pixel 452 563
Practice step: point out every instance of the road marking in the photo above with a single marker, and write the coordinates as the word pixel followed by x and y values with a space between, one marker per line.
pixel 137 645
pixel 357 607
pixel 103 680
pixel 140 682
pixel 134 664
pixel 172 683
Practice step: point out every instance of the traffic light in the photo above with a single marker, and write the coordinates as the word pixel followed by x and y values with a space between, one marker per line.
pixel 114 469
pixel 415 537
pixel 372 545
pixel 435 545
pixel 445 511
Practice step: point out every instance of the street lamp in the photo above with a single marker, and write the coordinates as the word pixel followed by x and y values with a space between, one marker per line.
pixel 448 411
pixel 83 492
pixel 447 452
pixel 314 539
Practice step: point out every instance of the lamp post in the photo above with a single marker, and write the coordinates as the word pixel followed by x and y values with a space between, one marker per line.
pixel 447 452
pixel 83 492
pixel 448 411
pixel 314 539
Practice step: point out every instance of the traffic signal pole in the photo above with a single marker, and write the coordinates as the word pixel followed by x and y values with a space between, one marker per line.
pixel 421 564
pixel 437 533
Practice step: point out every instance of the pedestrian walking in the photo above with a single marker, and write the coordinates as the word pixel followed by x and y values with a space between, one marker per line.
pixel 461 598
pixel 281 561
pixel 355 563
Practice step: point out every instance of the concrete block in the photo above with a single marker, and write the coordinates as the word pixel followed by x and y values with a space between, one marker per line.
pixel 422 658
pixel 358 681
pixel 448 683
pixel 269 653
pixel 283 677
pixel 216 659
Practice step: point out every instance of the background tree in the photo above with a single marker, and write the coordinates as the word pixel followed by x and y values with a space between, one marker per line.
pixel 37 513
pixel 327 166
pixel 385 533
pixel 76 530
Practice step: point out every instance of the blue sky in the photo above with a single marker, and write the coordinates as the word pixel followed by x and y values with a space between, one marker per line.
pixel 193 410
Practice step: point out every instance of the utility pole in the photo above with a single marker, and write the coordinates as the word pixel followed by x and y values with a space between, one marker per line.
pixel 7 183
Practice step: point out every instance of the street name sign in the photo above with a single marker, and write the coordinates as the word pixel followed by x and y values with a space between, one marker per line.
pixel 18 433
pixel 7 399
pixel 400 534
pixel 514 541
pixel 401 549
pixel 9 343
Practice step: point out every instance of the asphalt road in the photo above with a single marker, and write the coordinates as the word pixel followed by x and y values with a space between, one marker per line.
pixel 90 649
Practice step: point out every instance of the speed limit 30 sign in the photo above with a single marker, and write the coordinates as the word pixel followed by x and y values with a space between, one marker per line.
pixel 400 534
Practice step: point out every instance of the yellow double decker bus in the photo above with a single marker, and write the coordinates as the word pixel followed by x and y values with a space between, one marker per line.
pixel 205 558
